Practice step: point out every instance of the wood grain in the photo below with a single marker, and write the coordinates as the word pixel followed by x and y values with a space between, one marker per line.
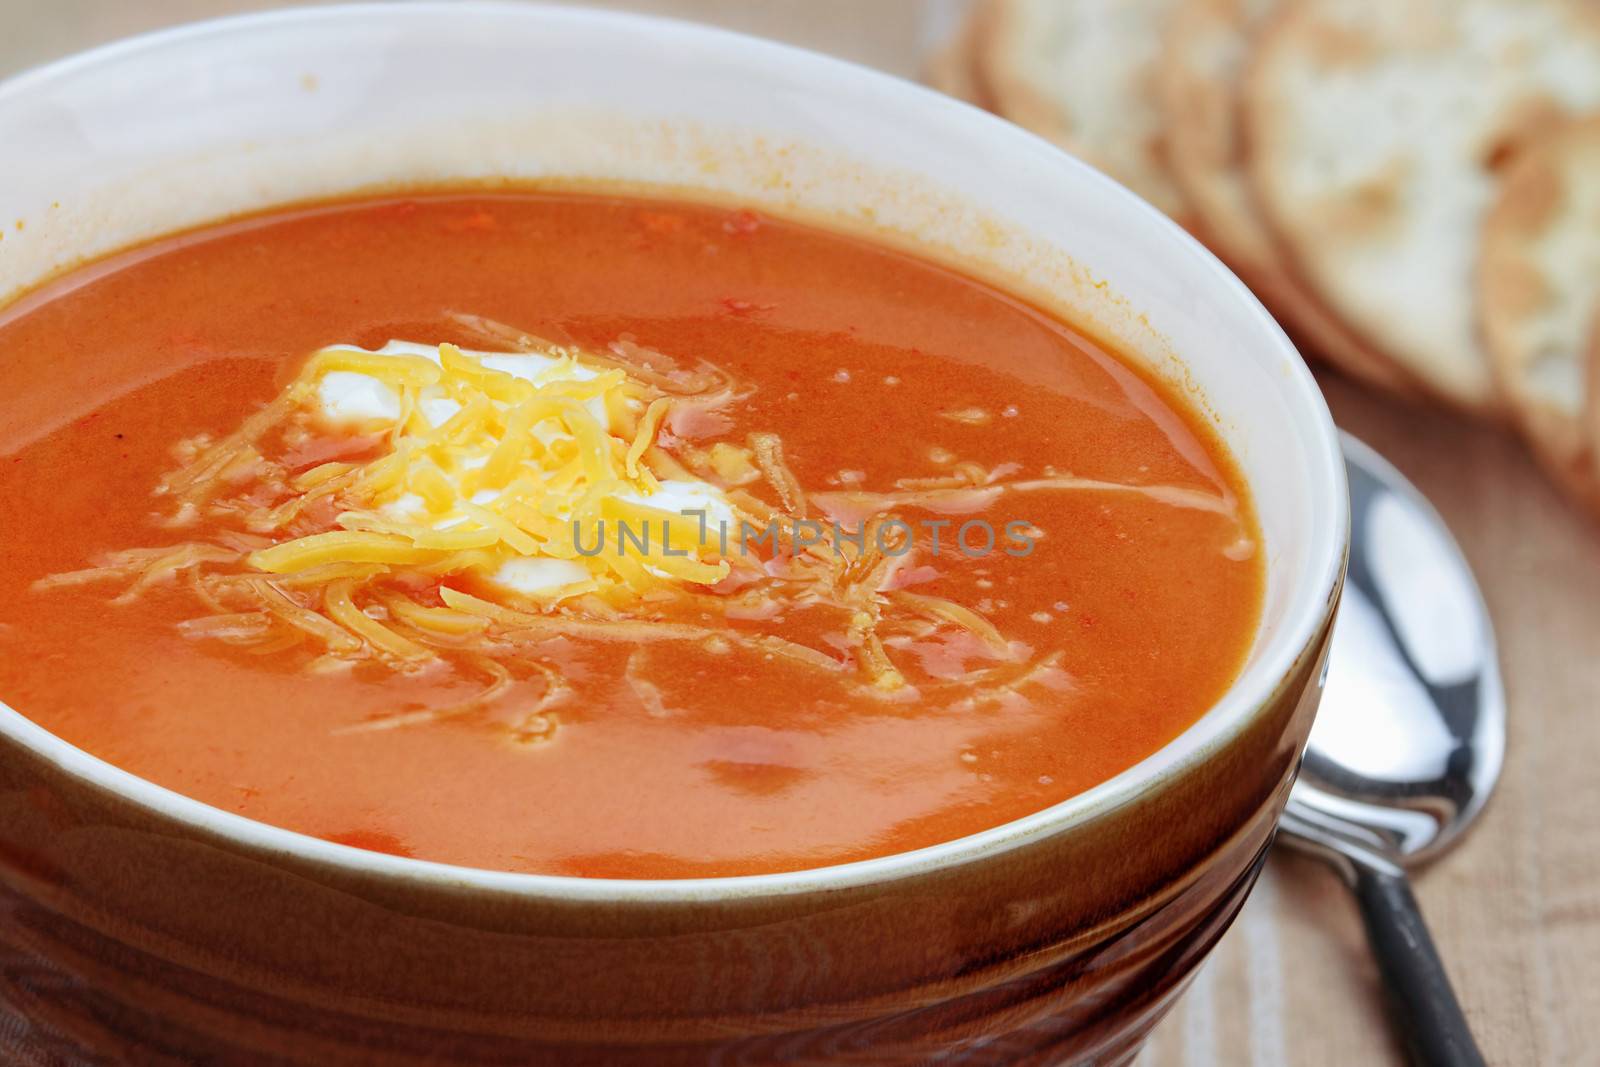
pixel 1516 908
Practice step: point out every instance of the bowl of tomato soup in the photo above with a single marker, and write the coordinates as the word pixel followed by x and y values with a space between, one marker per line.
pixel 554 537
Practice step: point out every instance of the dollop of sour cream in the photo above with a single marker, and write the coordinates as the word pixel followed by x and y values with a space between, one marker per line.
pixel 349 398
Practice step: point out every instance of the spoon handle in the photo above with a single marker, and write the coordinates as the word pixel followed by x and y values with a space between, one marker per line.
pixel 1424 1003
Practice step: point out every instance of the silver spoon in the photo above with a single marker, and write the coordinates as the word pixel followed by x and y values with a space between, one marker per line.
pixel 1409 739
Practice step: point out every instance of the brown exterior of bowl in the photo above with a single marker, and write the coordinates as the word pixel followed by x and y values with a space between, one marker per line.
pixel 131 937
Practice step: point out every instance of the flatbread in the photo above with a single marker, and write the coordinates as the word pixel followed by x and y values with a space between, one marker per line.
pixel 1376 127
pixel 1082 73
pixel 1539 289
pixel 953 69
pixel 1591 414
pixel 1204 51
pixel 1206 48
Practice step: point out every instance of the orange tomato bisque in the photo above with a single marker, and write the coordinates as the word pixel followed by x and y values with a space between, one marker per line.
pixel 590 535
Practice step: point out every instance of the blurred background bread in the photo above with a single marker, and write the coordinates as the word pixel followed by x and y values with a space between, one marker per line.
pixel 1207 46
pixel 1411 186
pixel 1537 287
pixel 1083 74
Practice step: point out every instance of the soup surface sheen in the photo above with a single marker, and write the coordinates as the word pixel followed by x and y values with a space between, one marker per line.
pixel 307 584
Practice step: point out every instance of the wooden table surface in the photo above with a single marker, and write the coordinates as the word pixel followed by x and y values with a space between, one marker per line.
pixel 1516 908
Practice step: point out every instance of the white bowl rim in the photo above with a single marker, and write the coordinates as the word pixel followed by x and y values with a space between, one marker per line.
pixel 1254 690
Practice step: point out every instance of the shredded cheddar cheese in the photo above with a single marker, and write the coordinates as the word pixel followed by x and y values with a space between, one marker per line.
pixel 489 463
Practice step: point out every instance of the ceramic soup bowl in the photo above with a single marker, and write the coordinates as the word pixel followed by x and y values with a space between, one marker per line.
pixel 146 927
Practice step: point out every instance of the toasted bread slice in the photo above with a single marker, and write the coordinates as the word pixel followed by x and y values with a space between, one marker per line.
pixel 1591 477
pixel 1206 47
pixel 1376 127
pixel 1539 288
pixel 1204 50
pixel 1082 73
pixel 953 69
